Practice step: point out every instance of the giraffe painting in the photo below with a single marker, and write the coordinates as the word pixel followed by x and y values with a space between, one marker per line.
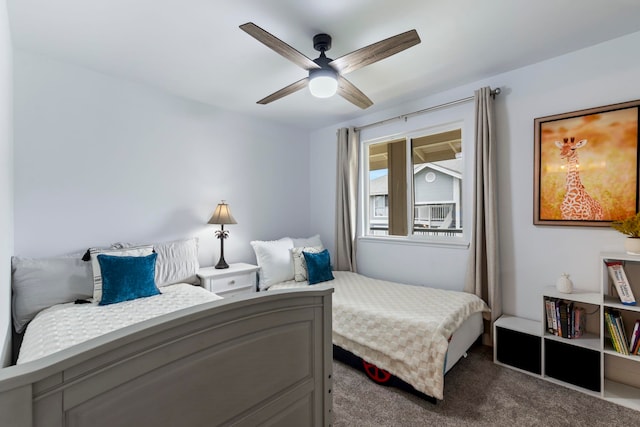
pixel 577 203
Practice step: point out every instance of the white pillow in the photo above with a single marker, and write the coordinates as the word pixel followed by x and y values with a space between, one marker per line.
pixel 39 283
pixel 299 263
pixel 309 241
pixel 274 260
pixel 95 265
pixel 177 261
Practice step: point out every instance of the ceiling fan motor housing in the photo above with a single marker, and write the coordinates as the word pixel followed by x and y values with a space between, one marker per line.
pixel 323 81
pixel 322 42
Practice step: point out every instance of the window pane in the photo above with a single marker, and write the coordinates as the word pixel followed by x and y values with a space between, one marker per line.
pixel 388 169
pixel 378 190
pixel 437 184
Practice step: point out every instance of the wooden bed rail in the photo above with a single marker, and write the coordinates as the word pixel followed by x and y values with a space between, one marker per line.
pixel 245 361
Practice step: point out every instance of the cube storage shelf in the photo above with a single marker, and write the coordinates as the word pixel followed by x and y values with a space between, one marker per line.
pixel 588 364
pixel 517 344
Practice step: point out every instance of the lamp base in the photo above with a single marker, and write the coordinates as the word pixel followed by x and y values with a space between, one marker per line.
pixel 222 235
pixel 222 264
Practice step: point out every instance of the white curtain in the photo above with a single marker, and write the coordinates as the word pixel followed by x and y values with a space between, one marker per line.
pixel 346 199
pixel 482 268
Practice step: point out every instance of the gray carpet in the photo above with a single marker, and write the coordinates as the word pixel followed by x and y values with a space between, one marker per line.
pixel 477 392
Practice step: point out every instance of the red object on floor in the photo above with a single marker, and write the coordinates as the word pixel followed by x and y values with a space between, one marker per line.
pixel 376 374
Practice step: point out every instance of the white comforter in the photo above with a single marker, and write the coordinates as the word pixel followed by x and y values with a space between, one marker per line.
pixel 61 326
pixel 400 328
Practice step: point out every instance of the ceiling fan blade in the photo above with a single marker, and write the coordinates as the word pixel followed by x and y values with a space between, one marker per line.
pixel 375 52
pixel 288 90
pixel 278 46
pixel 348 91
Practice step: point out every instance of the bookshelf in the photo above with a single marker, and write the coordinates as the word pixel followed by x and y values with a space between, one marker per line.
pixel 590 363
pixel 621 372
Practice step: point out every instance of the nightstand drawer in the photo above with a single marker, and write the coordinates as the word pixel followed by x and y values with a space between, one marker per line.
pixel 230 283
pixel 239 278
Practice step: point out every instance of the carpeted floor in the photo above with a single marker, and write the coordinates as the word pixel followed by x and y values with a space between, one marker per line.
pixel 477 393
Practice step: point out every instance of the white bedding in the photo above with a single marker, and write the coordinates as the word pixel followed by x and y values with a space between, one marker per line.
pixel 64 325
pixel 400 328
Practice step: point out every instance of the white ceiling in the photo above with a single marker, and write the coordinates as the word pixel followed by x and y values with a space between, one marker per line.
pixel 194 48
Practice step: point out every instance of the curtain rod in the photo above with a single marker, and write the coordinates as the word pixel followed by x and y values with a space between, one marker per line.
pixel 494 92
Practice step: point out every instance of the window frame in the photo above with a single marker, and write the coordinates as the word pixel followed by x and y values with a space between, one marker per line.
pixel 466 190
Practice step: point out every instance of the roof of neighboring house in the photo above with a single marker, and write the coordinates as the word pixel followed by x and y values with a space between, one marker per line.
pixel 452 167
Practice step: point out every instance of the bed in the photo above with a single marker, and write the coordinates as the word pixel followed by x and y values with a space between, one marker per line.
pixel 256 359
pixel 415 333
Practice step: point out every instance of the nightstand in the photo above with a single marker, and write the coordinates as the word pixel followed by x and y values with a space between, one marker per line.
pixel 238 279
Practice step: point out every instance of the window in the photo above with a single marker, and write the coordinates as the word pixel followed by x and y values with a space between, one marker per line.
pixel 415 185
pixel 380 206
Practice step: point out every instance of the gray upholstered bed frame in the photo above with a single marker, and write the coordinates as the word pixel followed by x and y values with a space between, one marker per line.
pixel 259 360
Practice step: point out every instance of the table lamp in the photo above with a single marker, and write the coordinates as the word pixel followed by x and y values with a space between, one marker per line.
pixel 221 216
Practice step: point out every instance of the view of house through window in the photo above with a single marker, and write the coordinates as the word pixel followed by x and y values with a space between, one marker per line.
pixel 435 187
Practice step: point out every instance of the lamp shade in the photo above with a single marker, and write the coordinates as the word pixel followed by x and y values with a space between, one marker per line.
pixel 222 215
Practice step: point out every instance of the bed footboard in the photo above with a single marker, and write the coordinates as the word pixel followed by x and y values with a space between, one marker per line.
pixel 263 359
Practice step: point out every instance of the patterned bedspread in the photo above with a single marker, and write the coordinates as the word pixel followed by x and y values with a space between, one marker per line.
pixel 63 325
pixel 400 328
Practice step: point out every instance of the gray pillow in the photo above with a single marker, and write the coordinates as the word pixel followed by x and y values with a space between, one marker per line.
pixel 38 283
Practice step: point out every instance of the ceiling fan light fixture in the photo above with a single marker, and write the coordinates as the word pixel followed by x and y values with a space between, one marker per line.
pixel 323 83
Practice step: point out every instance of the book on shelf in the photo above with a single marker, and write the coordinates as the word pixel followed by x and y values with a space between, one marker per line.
pixel 633 342
pixel 558 323
pixel 579 321
pixel 636 337
pixel 624 342
pixel 612 334
pixel 552 323
pixel 564 318
pixel 621 283
pixel 615 325
pixel 548 308
pixel 609 327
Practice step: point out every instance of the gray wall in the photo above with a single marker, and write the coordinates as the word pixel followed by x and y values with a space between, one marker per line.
pixel 6 184
pixel 99 159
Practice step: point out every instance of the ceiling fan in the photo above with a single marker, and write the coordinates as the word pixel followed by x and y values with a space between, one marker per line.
pixel 326 75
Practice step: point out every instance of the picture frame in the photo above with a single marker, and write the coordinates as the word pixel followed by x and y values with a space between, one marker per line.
pixel 586 166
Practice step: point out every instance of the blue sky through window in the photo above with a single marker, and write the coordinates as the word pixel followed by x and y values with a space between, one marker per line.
pixel 377 174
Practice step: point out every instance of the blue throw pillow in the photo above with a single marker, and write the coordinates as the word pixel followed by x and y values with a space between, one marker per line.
pixel 126 278
pixel 318 266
